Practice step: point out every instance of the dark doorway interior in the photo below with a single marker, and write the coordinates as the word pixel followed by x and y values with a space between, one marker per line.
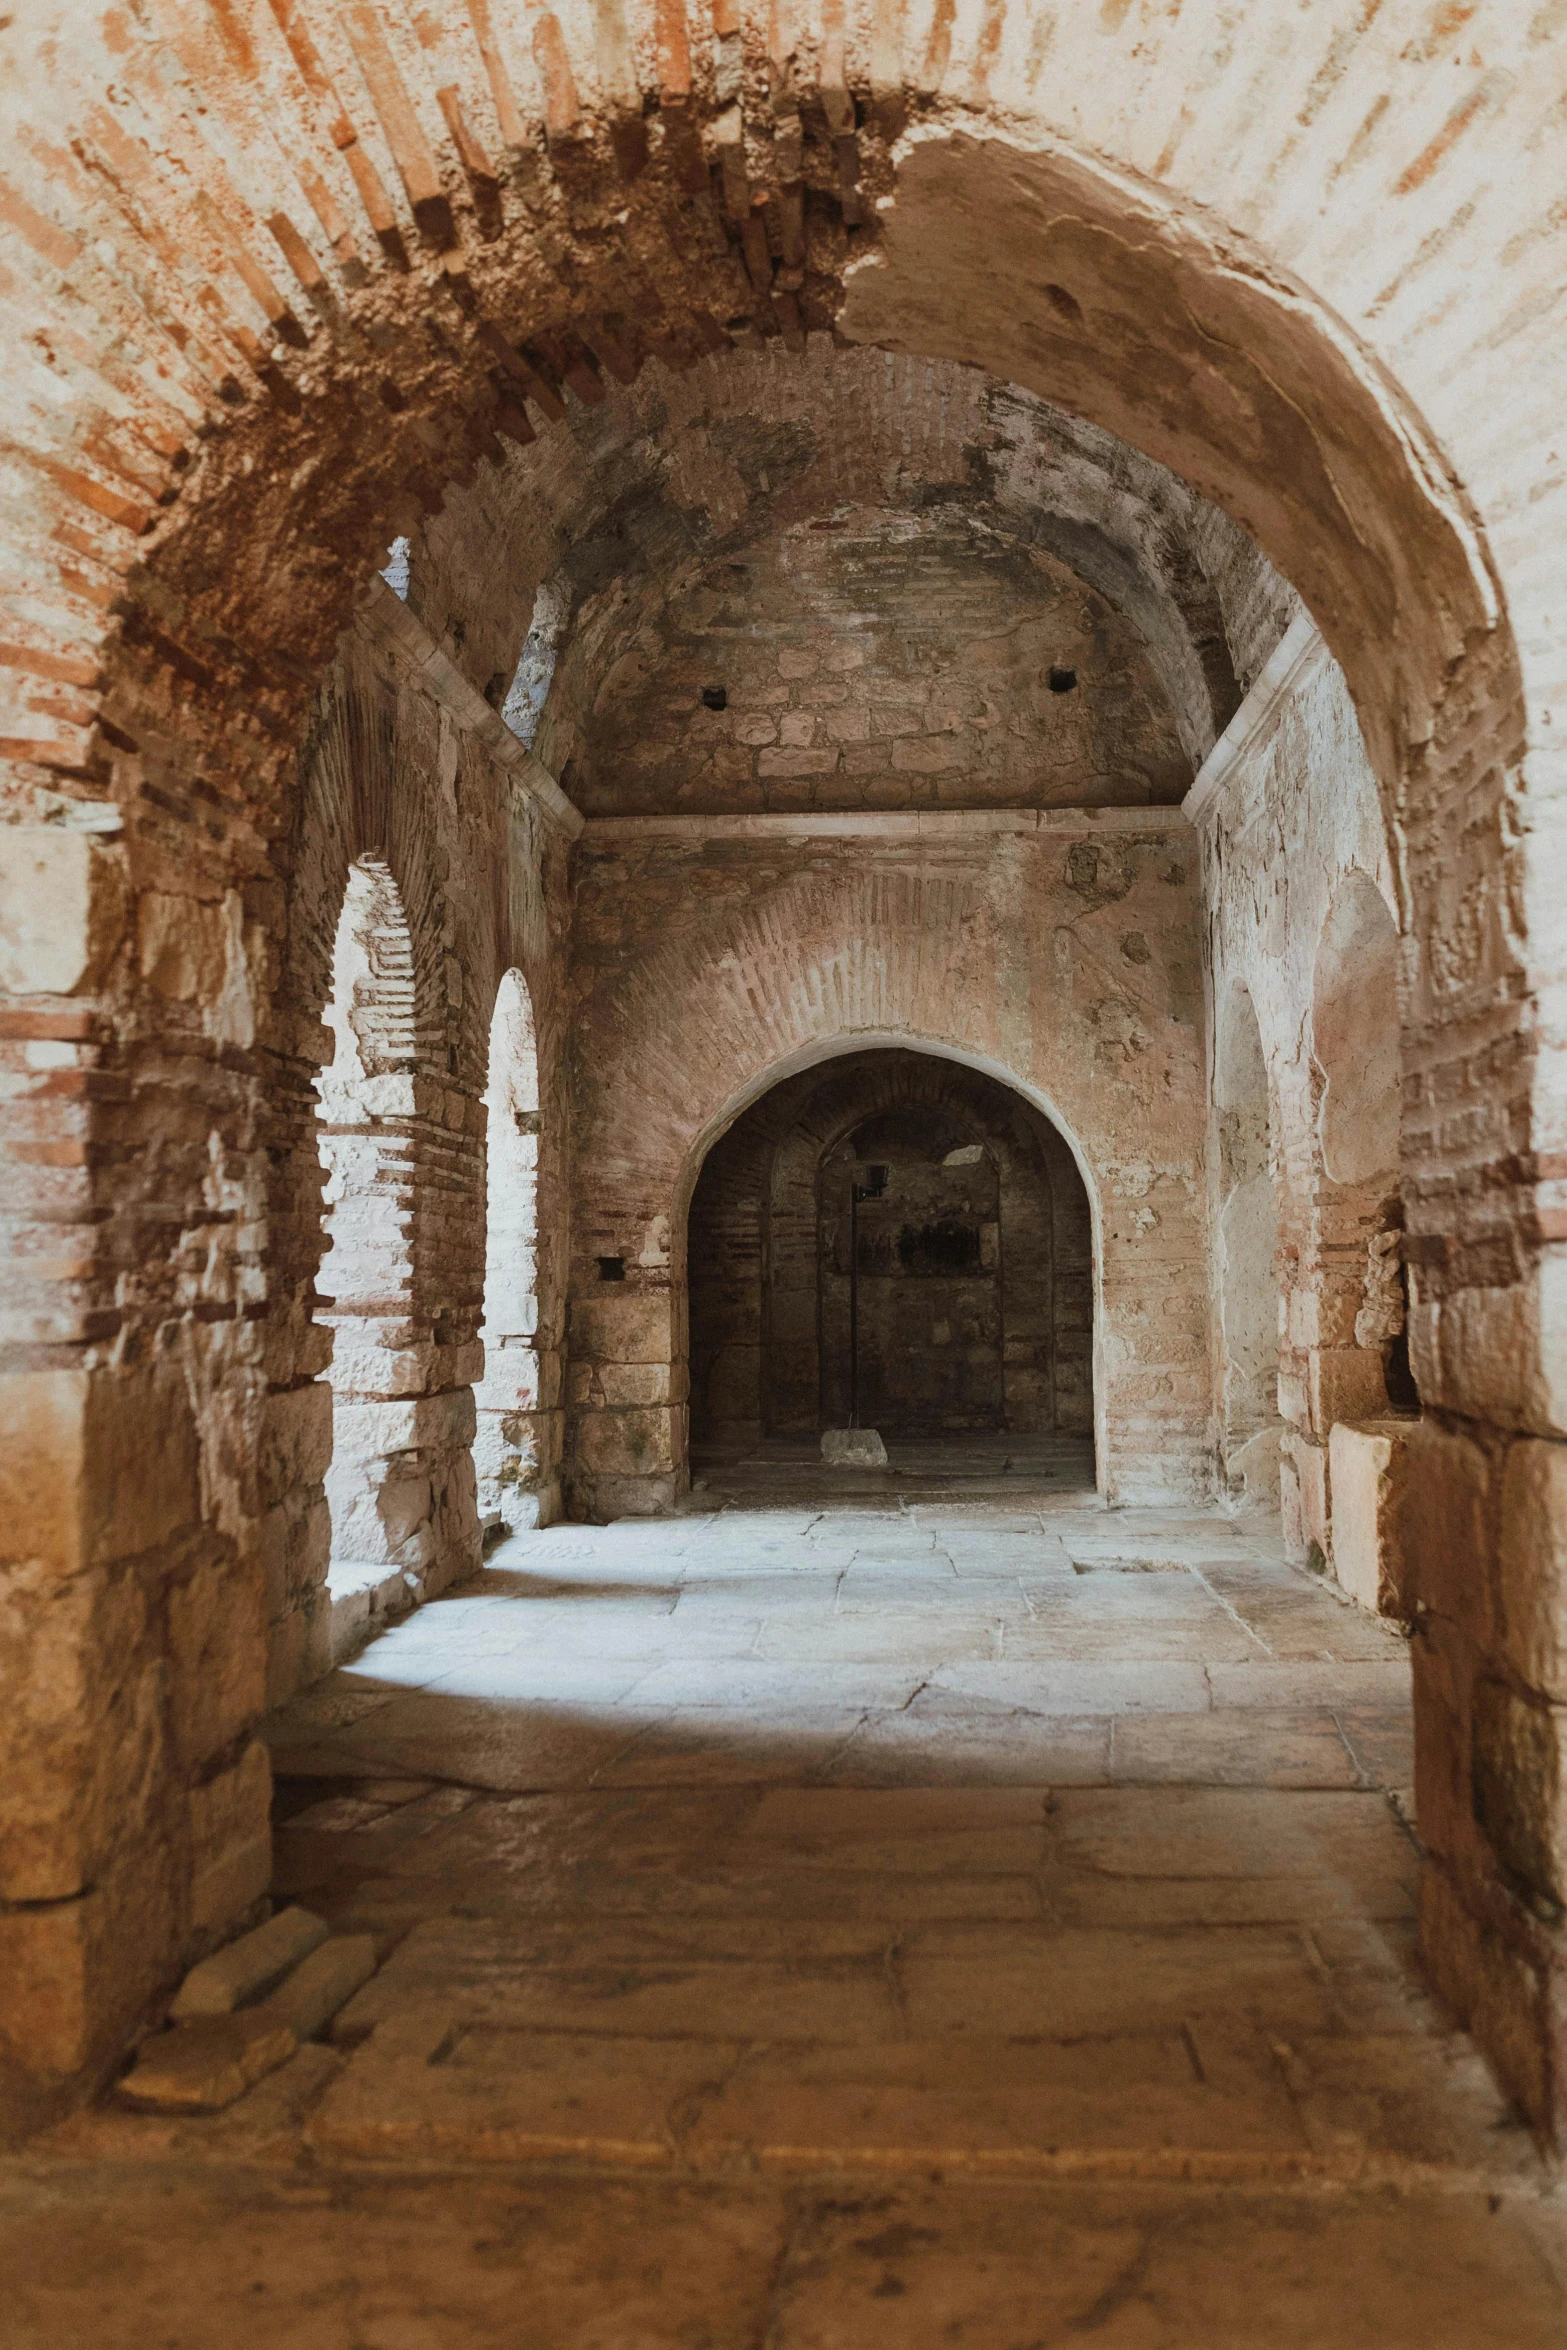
pixel 974 1255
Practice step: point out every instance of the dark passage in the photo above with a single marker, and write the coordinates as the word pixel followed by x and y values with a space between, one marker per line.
pixel 971 1239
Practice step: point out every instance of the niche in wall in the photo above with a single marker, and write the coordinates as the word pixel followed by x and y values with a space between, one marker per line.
pixel 1359 1221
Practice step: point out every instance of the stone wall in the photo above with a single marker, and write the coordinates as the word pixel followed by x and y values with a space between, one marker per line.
pixel 395 782
pixel 1304 1152
pixel 1059 952
pixel 272 284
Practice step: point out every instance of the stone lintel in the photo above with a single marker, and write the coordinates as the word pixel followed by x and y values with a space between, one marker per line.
pixel 1293 662
pixel 885 823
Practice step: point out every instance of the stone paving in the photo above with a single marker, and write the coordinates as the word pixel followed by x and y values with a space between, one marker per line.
pixel 854 1919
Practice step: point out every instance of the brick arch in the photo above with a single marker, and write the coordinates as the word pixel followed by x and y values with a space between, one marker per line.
pixel 775 1151
pixel 714 1018
pixel 207 465
pixel 1276 389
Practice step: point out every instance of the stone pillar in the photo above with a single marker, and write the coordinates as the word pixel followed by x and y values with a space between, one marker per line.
pixel 132 1599
pixel 627 1393
pixel 1485 1512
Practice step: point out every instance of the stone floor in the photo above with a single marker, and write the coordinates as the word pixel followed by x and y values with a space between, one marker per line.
pixel 852 1919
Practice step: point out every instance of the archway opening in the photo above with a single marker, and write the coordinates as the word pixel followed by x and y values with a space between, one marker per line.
pixel 378 1497
pixel 1246 1244
pixel 1363 1354
pixel 899 1239
pixel 400 1484
pixel 506 1447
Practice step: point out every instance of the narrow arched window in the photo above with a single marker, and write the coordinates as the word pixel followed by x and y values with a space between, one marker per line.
pixel 506 1447
pixel 525 697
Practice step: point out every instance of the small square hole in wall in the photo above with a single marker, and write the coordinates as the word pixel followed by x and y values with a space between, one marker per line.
pixel 1061 681
pixel 612 1268
pixel 714 697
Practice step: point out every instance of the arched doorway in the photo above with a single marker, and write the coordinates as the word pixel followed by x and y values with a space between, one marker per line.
pixel 1362 1364
pixel 400 1485
pixel 894 1235
pixel 379 1502
pixel 1246 1245
pixel 506 1451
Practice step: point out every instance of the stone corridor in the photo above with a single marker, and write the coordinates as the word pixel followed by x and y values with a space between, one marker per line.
pixel 923 1909
pixel 732 736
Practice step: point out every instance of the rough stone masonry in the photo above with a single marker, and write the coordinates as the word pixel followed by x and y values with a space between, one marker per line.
pixel 1038 533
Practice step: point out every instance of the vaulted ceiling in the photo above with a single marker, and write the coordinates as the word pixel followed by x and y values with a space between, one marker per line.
pixel 964 548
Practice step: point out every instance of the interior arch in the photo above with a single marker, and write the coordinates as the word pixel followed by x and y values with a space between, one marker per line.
pixel 1355 1033
pixel 507 1397
pixel 980 1230
pixel 267 311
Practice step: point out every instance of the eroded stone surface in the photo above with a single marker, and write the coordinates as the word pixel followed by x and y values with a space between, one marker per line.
pixel 767 1954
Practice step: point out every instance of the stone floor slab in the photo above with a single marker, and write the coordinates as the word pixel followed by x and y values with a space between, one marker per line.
pixel 768 1861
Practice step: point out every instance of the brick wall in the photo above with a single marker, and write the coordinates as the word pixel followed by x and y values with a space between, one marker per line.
pixel 887 660
pixel 268 294
pixel 1064 959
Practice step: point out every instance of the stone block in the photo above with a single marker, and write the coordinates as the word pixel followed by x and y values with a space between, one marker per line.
pixel 416 1423
pixel 294 1544
pixel 1441 1677
pixel 1520 1786
pixel 788 763
pixel 251 1966
pixel 924 755
pixel 96 1466
pixel 601 1501
pixel 1498 1354
pixel 1344 1383
pixel 853 1448
pixel 1367 1465
pixel 1303 1495
pixel 82 1737
pixel 621 1384
pixel 621 1324
pixel 216 1656
pixel 299 1646
pixel 1493 1989
pixel 208 2063
pixel 77 1974
pixel 62 909
pixel 1448 1508
pixel 326 1980
pixel 1252 1468
pixel 43 1413
pixel 296 1439
pixel 631 1443
pixel 1532 1569
pixel 231 1840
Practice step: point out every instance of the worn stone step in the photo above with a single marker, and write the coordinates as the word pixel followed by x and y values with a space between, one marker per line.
pixel 209 2061
pixel 248 1968
pixel 1208 2101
